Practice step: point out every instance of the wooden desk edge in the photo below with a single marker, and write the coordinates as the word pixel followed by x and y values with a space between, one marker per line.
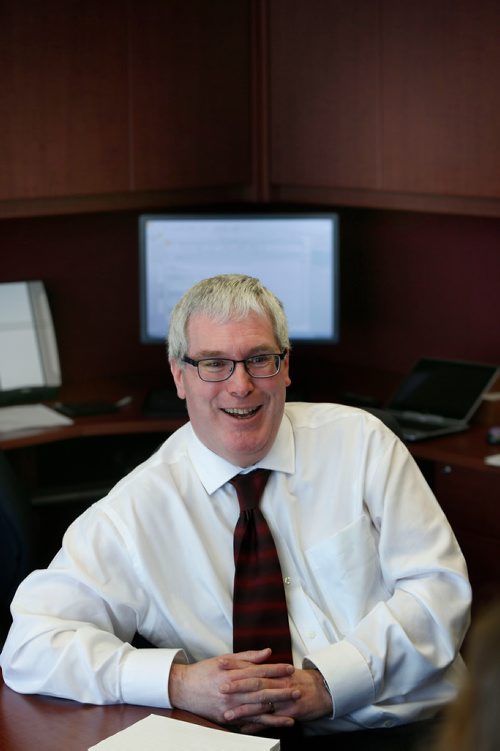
pixel 45 723
pixel 129 419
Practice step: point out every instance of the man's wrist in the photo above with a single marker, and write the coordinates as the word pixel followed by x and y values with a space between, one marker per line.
pixel 327 694
pixel 308 664
pixel 176 678
pixel 176 685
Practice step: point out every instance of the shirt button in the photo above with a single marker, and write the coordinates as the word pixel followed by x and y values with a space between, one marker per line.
pixel 312 634
pixel 287 580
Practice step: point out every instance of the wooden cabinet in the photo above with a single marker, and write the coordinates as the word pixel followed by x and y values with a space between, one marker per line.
pixel 471 501
pixel 440 110
pixel 388 104
pixel 191 94
pixel 109 102
pixel 373 103
pixel 63 102
pixel 324 94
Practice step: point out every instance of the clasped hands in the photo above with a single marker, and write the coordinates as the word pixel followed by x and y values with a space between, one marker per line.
pixel 245 690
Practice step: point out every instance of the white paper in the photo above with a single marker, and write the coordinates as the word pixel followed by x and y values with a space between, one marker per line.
pixel 30 416
pixel 157 733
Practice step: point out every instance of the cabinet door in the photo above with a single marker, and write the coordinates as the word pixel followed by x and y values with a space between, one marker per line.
pixel 440 103
pixel 386 103
pixel 471 500
pixel 63 101
pixel 191 93
pixel 324 84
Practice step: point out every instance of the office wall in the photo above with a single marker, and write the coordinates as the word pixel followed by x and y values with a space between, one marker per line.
pixel 419 284
pixel 412 284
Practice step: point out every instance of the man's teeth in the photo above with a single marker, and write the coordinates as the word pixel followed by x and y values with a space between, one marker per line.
pixel 241 412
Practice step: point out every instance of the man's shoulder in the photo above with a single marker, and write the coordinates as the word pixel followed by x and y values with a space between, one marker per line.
pixel 317 414
pixel 160 467
pixel 329 420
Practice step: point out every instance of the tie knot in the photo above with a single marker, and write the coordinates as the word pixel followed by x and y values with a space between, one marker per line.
pixel 250 487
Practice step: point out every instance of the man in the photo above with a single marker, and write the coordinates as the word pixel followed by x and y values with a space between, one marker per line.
pixel 376 586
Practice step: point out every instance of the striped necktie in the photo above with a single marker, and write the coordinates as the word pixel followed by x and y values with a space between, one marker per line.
pixel 260 616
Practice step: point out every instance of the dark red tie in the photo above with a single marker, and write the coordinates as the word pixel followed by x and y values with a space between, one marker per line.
pixel 260 615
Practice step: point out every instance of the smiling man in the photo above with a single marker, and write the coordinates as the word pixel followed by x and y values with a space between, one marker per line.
pixel 376 597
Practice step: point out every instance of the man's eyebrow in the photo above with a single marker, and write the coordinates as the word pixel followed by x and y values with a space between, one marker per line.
pixel 206 353
pixel 259 349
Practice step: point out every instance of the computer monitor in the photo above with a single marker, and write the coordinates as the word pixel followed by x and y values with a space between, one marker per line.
pixel 29 360
pixel 294 255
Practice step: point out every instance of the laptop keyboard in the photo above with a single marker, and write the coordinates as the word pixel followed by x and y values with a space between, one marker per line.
pixel 419 426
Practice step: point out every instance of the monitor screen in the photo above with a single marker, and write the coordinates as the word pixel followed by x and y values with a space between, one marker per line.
pixel 295 256
pixel 29 360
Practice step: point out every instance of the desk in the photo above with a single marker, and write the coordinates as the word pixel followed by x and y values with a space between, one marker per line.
pixel 128 420
pixel 39 723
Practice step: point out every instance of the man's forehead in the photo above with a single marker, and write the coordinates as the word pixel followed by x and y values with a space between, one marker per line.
pixel 209 332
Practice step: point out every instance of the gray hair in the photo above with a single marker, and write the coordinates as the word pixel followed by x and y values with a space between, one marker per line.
pixel 223 298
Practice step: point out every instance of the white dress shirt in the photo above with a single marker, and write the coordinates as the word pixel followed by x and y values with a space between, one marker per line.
pixel 376 586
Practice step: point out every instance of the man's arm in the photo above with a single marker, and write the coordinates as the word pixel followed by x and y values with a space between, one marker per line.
pixel 67 643
pixel 407 641
pixel 73 624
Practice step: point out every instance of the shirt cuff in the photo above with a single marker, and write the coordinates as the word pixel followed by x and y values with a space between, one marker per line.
pixel 144 676
pixel 347 676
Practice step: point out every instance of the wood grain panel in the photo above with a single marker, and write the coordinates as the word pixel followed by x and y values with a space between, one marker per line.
pixel 324 92
pixel 63 103
pixel 441 109
pixel 191 93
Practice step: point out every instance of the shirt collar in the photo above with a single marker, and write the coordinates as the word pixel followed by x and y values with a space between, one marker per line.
pixel 214 471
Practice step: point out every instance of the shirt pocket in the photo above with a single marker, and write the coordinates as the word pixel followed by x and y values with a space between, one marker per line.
pixel 346 574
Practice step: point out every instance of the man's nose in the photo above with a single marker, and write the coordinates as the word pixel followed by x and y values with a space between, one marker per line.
pixel 240 381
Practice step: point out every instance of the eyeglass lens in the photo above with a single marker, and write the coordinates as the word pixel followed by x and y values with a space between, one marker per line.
pixel 259 366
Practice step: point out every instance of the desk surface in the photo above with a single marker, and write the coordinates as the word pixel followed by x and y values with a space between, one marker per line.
pixel 41 723
pixel 129 419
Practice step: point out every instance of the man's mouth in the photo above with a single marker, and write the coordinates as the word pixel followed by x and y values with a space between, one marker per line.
pixel 241 413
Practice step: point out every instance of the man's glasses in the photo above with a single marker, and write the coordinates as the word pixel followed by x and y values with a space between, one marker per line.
pixel 213 369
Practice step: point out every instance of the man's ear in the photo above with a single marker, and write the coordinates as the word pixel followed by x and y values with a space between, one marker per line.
pixel 178 375
pixel 286 368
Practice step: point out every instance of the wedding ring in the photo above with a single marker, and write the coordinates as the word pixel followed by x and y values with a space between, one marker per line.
pixel 271 708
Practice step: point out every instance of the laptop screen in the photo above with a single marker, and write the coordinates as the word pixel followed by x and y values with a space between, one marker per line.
pixel 446 388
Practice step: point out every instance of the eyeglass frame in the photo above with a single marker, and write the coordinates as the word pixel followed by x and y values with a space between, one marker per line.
pixel 195 363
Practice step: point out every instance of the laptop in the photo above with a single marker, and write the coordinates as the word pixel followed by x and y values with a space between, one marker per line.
pixel 439 397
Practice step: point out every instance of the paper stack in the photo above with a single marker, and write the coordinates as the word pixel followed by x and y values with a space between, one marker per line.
pixel 156 733
pixel 30 417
